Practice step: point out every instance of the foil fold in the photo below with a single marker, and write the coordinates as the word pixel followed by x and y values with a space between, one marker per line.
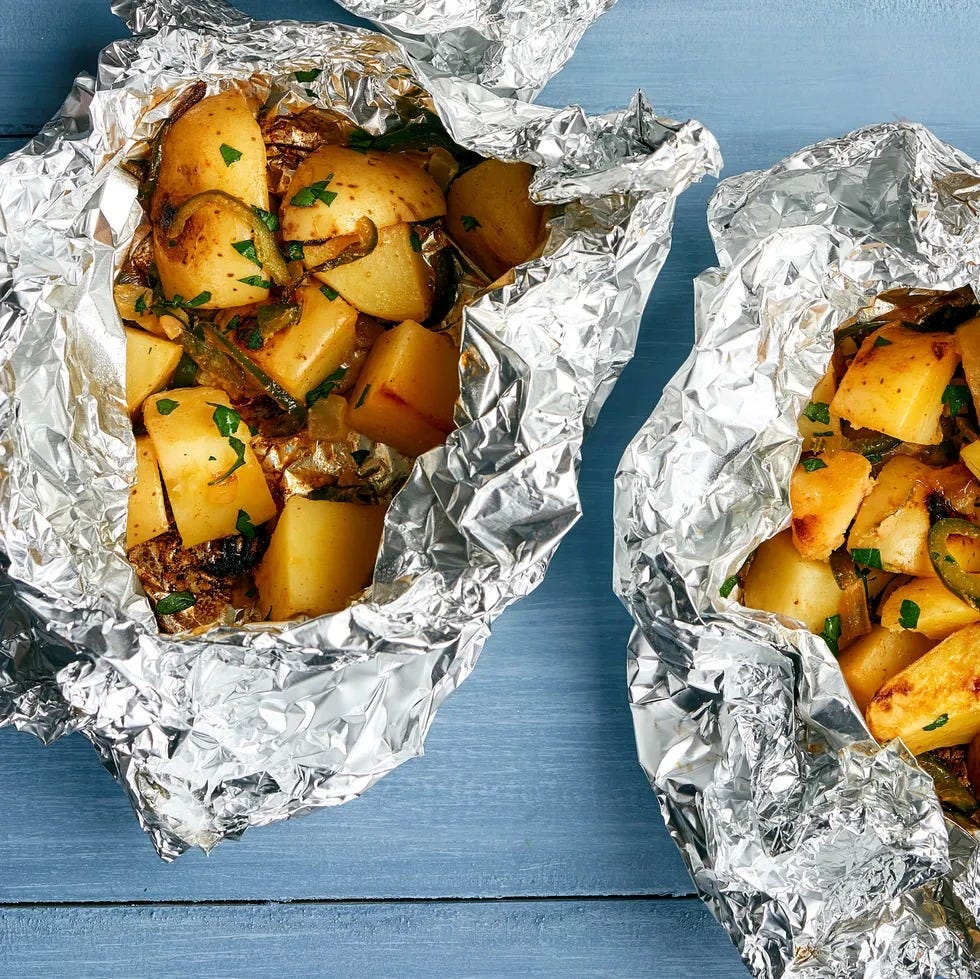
pixel 821 853
pixel 243 727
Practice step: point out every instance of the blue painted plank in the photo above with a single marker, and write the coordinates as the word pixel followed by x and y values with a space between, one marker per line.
pixel 603 939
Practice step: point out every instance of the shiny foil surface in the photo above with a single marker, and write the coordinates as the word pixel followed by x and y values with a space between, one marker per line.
pixel 822 854
pixel 245 726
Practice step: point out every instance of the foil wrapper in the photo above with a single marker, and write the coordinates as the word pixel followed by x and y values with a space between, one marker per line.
pixel 242 727
pixel 821 853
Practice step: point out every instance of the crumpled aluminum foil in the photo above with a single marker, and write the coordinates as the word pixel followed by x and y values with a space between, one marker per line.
pixel 212 735
pixel 822 854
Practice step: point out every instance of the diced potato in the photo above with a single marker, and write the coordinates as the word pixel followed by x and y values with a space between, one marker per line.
pixel 321 554
pixel 128 297
pixel 940 612
pixel 196 460
pixel 492 218
pixel 147 515
pixel 407 389
pixel 825 501
pixel 150 364
pixel 781 580
pixel 970 454
pixel 199 154
pixel 935 702
pixel 823 394
pixel 968 345
pixel 386 187
pixel 895 384
pixel 301 356
pixel 894 518
pixel 394 282
pixel 876 657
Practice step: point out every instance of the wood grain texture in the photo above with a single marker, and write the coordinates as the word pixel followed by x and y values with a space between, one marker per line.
pixel 546 939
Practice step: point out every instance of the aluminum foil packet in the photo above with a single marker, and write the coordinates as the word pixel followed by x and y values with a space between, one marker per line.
pixel 243 727
pixel 822 854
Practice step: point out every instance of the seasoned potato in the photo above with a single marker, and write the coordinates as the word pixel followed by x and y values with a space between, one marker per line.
pixel 147 514
pixel 392 283
pixel 895 384
pixel 301 356
pixel 492 218
pixel 214 145
pixel 894 518
pixel 150 364
pixel 822 424
pixel 970 454
pixel 876 657
pixel 825 500
pixel 935 702
pixel 781 580
pixel 407 389
pixel 321 554
pixel 937 612
pixel 334 187
pixel 211 478
pixel 968 345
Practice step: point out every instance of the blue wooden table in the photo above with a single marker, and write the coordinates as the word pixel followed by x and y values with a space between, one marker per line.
pixel 526 842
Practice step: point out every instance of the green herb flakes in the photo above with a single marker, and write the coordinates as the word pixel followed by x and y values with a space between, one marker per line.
pixel 360 139
pixel 937 723
pixel 882 342
pixel 364 394
pixel 957 397
pixel 330 294
pixel 469 222
pixel 247 250
pixel 812 465
pixel 728 586
pixel 327 386
pixel 908 614
pixel 830 633
pixel 294 251
pixel 818 411
pixel 870 557
pixel 225 419
pixel 244 525
pixel 199 300
pixel 140 305
pixel 308 75
pixel 308 196
pixel 167 405
pixel 175 602
pixel 239 446
pixel 267 218
pixel 254 341
pixel 229 154
pixel 415 241
pixel 257 281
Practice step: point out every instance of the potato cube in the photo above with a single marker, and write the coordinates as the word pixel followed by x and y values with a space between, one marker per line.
pixel 147 515
pixel 970 455
pixel 321 554
pixel 895 384
pixel 206 485
pixel 406 390
pixel 936 611
pixel 301 356
pixel 781 580
pixel 393 282
pixel 935 702
pixel 968 345
pixel 825 500
pixel 876 657
pixel 150 364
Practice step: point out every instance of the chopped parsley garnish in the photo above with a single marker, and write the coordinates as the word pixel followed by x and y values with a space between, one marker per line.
pixel 140 305
pixel 823 435
pixel 882 342
pixel 415 240
pixel 257 281
pixel 831 632
pixel 254 341
pixel 199 300
pixel 239 446
pixel 308 196
pixel 247 250
pixel 812 465
pixel 870 557
pixel 329 293
pixel 873 457
pixel 469 222
pixel 308 75
pixel 229 154
pixel 360 139
pixel 937 723
pixel 167 405
pixel 818 411
pixel 957 396
pixel 294 251
pixel 225 419
pixel 728 586
pixel 175 602
pixel 244 525
pixel 267 218
pixel 908 614
pixel 359 455
pixel 212 458
pixel 364 394
pixel 233 323
pixel 325 387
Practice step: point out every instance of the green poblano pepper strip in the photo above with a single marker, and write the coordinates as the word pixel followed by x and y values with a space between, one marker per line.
pixel 964 584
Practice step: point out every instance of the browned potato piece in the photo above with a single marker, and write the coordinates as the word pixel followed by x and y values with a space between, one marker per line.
pixel 781 580
pixel 214 145
pixel 321 554
pixel 394 282
pixel 939 612
pixel 895 384
pixel 407 389
pixel 935 702
pixel 876 657
pixel 385 187
pixel 491 217
pixel 968 345
pixel 825 500
pixel 147 514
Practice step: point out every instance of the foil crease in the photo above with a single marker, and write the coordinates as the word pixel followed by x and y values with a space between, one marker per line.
pixel 242 727
pixel 821 853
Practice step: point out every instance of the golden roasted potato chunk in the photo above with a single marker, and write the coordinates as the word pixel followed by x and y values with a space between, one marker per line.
pixel 150 364
pixel 895 384
pixel 874 658
pixel 147 514
pixel 825 494
pixel 321 554
pixel 926 605
pixel 935 702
